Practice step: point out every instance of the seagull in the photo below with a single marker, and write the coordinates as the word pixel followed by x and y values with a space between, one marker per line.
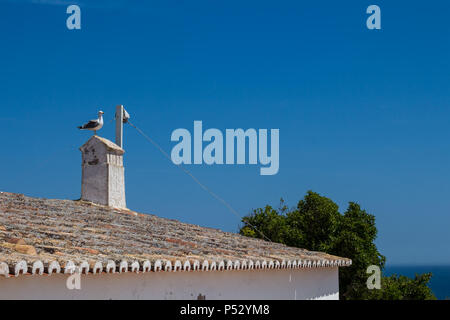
pixel 94 125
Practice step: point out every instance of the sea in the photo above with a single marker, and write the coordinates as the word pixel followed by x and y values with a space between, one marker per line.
pixel 439 283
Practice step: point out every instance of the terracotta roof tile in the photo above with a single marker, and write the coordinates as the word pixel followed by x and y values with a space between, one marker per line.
pixel 61 233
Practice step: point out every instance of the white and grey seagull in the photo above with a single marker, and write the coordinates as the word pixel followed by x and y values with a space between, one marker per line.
pixel 94 125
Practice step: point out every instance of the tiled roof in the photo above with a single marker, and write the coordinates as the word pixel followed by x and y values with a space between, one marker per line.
pixel 47 236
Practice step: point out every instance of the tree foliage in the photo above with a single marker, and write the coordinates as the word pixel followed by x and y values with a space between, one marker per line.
pixel 265 223
pixel 401 287
pixel 316 224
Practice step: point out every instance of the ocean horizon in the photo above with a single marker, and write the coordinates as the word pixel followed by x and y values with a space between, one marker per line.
pixel 439 283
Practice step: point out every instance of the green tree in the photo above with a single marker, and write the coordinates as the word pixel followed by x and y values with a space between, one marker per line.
pixel 265 223
pixel 316 224
pixel 402 288
pixel 313 224
pixel 355 236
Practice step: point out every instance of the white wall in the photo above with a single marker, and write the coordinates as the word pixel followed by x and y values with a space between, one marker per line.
pixel 320 283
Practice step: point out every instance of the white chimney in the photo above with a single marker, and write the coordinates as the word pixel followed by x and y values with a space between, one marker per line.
pixel 103 177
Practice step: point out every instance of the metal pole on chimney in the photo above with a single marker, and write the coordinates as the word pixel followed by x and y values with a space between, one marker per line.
pixel 119 125
pixel 122 117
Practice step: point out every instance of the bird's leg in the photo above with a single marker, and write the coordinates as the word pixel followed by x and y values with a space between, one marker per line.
pixel 95 132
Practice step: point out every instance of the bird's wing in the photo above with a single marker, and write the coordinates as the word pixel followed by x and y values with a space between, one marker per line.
pixel 91 124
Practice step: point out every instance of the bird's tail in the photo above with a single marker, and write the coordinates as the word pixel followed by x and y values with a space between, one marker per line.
pixel 80 127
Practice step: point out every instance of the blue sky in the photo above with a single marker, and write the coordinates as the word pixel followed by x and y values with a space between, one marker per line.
pixel 363 115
